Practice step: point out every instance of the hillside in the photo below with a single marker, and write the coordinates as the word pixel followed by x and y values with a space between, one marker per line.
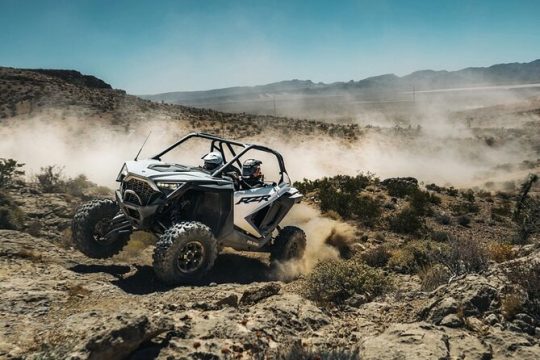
pixel 31 92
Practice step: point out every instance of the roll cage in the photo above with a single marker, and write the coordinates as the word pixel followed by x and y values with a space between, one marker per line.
pixel 218 144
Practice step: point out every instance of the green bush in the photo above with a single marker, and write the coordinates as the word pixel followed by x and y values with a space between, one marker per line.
pixel 10 170
pixel 407 221
pixel 400 187
pixel 342 194
pixel 11 217
pixel 421 201
pixel 334 281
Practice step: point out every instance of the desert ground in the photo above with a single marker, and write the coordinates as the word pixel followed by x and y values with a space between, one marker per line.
pixel 422 230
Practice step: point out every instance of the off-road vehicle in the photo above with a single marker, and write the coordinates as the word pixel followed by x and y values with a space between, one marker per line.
pixel 193 212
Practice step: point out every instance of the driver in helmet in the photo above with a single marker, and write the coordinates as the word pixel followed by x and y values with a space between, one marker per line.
pixel 252 176
pixel 212 161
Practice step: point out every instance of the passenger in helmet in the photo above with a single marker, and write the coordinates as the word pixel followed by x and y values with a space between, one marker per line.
pixel 212 161
pixel 252 175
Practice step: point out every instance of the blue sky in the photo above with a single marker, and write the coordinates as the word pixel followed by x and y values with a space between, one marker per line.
pixel 157 46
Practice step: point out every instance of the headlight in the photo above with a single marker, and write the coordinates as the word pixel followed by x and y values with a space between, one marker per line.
pixel 123 173
pixel 168 185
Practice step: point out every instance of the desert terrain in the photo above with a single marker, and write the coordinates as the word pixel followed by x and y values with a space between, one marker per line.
pixel 422 231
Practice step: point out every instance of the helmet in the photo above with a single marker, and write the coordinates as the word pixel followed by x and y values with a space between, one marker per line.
pixel 251 171
pixel 212 160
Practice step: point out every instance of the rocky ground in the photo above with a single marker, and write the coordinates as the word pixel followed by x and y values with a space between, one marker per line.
pixel 56 303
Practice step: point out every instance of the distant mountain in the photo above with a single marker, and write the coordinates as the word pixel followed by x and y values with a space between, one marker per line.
pixel 500 74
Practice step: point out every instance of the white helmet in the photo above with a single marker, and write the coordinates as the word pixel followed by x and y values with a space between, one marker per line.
pixel 212 160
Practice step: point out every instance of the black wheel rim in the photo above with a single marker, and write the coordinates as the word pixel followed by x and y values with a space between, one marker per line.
pixel 190 257
pixel 101 229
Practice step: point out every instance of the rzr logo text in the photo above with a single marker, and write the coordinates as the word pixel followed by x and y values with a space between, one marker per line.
pixel 247 200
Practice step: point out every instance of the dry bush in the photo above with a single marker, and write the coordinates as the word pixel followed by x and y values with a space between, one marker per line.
pixel 433 276
pixel 511 305
pixel 461 256
pixel 527 212
pixel 412 257
pixel 501 252
pixel 440 236
pixel 11 216
pixel 296 351
pixel 527 276
pixel 50 179
pixel 138 241
pixel 377 256
pixel 334 281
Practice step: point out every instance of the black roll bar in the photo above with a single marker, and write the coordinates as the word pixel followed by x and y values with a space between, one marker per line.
pixel 229 143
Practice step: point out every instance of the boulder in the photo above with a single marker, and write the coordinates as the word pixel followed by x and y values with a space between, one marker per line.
pixel 254 295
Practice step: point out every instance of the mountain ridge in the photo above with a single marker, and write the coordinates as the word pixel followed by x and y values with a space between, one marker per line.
pixel 497 74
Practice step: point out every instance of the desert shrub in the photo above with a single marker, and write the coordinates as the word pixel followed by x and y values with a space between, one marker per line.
pixel 341 194
pixel 341 183
pixel 421 201
pixel 504 209
pixel 10 170
pixel 468 195
pixel 407 221
pixel 527 276
pixel 411 257
pixel 11 217
pixel 464 207
pixel 400 187
pixel 511 305
pixel 451 191
pixel 527 212
pixel 377 256
pixel 464 220
pixel 440 236
pixel 501 252
pixel 443 219
pixel 461 256
pixel 432 277
pixel 50 179
pixel 138 241
pixel 367 209
pixel 296 351
pixel 334 281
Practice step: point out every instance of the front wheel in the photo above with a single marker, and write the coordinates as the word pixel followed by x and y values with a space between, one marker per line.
pixel 184 253
pixel 290 244
pixel 91 223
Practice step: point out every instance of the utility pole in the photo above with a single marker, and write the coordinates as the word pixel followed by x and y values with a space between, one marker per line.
pixel 275 113
pixel 413 94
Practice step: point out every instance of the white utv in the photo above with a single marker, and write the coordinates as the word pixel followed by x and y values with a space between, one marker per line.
pixel 194 212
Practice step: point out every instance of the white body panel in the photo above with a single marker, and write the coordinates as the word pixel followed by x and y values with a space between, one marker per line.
pixel 247 202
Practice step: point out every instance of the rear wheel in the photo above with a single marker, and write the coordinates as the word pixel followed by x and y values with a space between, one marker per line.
pixel 184 253
pixel 290 244
pixel 91 223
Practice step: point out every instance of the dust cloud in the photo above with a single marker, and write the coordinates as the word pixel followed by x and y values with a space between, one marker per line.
pixel 320 231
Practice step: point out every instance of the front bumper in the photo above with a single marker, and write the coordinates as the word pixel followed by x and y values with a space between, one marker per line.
pixel 140 217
